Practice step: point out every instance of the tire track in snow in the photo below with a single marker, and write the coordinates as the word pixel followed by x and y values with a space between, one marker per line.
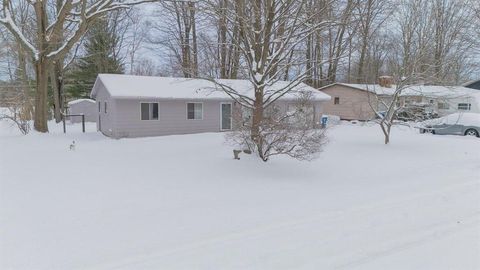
pixel 286 225
pixel 418 239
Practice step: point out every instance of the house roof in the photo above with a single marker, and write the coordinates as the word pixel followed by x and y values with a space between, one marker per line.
pixel 136 87
pixel 373 88
pixel 471 82
pixel 414 90
pixel 80 100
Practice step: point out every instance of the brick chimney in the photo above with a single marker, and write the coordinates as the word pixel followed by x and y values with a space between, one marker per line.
pixel 385 81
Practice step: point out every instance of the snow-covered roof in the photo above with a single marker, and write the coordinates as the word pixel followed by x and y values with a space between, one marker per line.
pixel 437 91
pixel 76 101
pixel 135 87
pixel 413 90
pixel 470 82
pixel 373 88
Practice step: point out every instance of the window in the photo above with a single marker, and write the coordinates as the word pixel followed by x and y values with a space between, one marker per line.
pixel 105 107
pixel 194 111
pixel 464 106
pixel 99 105
pixel 443 106
pixel 336 100
pixel 149 111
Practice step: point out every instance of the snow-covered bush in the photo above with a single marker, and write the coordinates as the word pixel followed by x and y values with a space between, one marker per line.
pixel 293 133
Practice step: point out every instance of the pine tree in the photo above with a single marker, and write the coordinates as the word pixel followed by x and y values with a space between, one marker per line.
pixel 100 57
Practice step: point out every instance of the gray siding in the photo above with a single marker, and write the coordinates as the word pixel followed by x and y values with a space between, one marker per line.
pixel 123 117
pixel 105 121
pixel 172 118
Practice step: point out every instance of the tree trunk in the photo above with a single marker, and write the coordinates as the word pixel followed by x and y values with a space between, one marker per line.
pixel 57 86
pixel 193 23
pixel 257 122
pixel 41 114
pixel 361 62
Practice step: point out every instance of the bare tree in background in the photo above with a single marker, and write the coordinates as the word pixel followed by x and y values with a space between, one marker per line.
pixel 47 47
pixel 222 56
pixel 179 34
pixel 372 15
pixel 135 39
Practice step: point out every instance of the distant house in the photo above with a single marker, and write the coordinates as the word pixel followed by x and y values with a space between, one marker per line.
pixel 442 100
pixel 360 101
pixel 136 106
pixel 83 106
pixel 473 84
pixel 357 101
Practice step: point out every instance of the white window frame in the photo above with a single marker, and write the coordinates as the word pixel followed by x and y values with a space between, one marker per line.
pixel 334 101
pixel 231 116
pixel 186 110
pixel 149 102
pixel 468 108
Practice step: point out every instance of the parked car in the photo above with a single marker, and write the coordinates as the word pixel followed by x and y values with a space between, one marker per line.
pixel 453 124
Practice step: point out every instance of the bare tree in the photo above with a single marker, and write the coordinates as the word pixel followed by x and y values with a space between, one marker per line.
pixel 292 133
pixel 269 32
pixel 179 34
pixel 372 15
pixel 386 109
pixel 18 113
pixel 47 47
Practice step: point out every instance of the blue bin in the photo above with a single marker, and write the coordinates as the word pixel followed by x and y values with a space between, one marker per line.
pixel 324 121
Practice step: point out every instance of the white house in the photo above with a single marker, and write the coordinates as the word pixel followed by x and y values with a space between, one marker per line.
pixel 443 99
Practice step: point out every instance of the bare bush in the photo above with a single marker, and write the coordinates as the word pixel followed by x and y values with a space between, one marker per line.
pixel 292 132
pixel 19 112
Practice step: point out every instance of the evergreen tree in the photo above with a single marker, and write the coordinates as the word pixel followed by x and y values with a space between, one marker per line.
pixel 100 57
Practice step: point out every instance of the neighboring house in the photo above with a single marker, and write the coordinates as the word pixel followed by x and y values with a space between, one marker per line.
pixel 442 100
pixel 136 106
pixel 83 106
pixel 360 101
pixel 355 101
pixel 473 84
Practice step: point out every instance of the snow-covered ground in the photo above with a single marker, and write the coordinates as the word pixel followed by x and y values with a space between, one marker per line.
pixel 182 202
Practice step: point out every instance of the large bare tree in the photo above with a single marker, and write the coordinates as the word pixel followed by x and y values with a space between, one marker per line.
pixel 270 30
pixel 55 31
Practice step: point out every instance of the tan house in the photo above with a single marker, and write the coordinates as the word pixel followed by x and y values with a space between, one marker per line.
pixel 356 101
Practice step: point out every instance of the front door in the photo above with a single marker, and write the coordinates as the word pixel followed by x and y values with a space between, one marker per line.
pixel 226 116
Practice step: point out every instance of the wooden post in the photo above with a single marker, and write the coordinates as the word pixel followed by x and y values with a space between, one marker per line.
pixel 83 123
pixel 64 125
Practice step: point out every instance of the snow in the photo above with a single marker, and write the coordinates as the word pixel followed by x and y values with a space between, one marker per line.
pixel 182 202
pixel 373 88
pixel 461 118
pixel 467 119
pixel 80 100
pixel 129 86
pixel 416 90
